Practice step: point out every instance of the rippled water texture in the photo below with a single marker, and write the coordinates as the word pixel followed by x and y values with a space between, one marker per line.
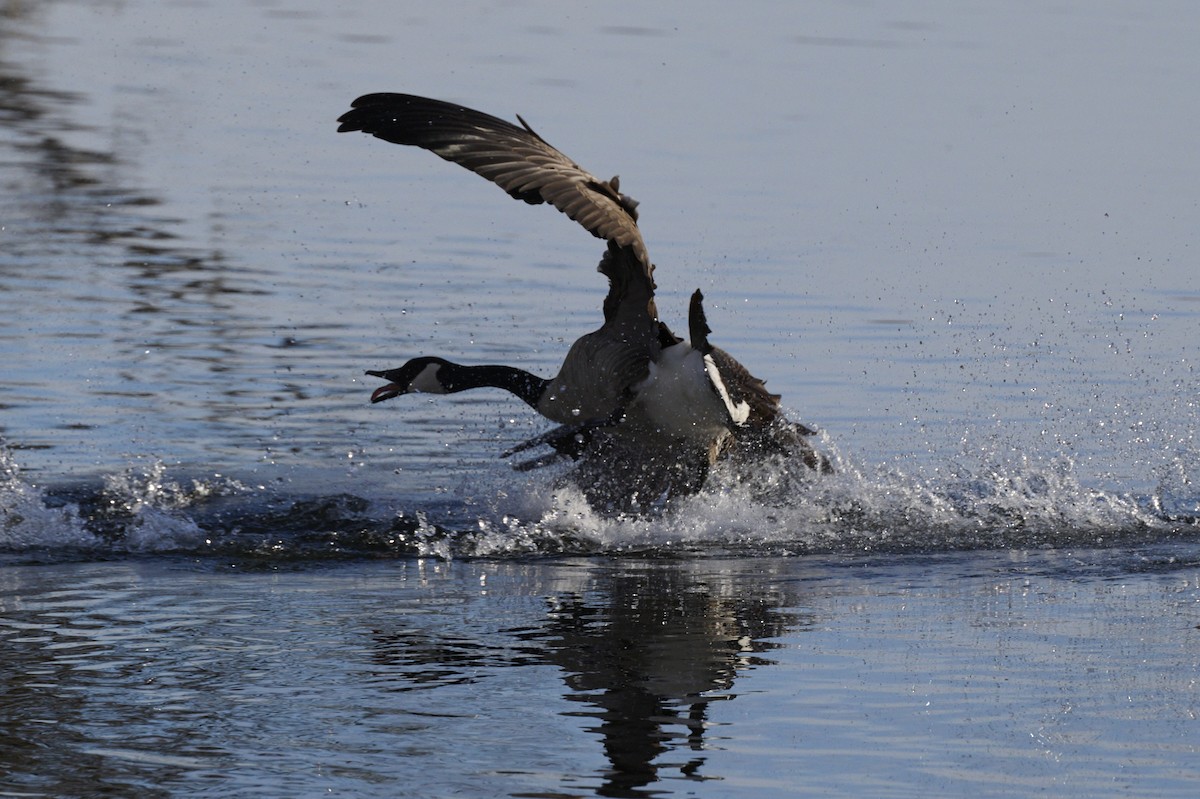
pixel 1057 674
pixel 961 241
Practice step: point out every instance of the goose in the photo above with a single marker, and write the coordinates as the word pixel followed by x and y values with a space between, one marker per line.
pixel 645 412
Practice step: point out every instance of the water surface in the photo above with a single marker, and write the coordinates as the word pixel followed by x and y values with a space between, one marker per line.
pixel 959 241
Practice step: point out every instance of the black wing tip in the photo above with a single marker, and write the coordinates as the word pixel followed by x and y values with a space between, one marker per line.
pixel 378 113
pixel 368 111
pixel 375 112
pixel 357 116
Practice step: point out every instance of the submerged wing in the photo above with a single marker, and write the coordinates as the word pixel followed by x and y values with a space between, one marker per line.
pixel 514 158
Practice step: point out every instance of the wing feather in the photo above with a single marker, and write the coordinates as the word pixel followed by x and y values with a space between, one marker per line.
pixel 516 159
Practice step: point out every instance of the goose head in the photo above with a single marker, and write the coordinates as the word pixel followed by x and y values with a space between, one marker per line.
pixel 418 375
pixel 432 375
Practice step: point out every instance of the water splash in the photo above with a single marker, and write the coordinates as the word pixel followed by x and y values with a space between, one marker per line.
pixel 28 521
pixel 152 510
pixel 784 509
pixel 138 510
pixel 780 509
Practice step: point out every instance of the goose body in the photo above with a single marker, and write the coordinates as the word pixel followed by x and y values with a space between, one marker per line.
pixel 685 378
pixel 645 411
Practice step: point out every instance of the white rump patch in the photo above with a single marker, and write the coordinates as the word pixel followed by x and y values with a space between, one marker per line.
pixel 738 411
pixel 685 397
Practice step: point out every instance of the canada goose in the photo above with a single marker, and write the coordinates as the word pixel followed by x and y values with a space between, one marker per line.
pixel 629 392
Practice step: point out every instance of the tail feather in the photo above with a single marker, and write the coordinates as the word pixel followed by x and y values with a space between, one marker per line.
pixel 698 328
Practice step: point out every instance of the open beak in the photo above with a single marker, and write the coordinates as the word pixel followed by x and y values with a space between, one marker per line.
pixel 387 392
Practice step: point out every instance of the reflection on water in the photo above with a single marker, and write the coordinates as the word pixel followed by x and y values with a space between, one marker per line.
pixel 647 650
pixel 611 677
pixel 643 646
pixel 145 679
pixel 99 681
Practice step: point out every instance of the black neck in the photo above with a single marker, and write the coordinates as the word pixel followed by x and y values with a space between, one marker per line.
pixel 528 387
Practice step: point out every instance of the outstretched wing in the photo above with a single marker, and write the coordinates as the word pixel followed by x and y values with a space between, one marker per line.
pixel 514 158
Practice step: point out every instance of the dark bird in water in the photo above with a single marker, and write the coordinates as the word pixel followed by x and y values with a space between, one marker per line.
pixel 645 412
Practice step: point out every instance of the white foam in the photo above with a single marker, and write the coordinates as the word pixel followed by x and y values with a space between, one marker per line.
pixel 157 508
pixel 786 509
pixel 28 522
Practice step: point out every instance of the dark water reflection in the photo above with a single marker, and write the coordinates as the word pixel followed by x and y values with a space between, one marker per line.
pixel 153 679
pixel 650 652
pixel 645 648
pixel 597 676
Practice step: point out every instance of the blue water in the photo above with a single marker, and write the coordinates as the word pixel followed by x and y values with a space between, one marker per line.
pixel 959 241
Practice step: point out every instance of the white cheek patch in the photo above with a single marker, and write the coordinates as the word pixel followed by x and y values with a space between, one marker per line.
pixel 739 412
pixel 427 381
